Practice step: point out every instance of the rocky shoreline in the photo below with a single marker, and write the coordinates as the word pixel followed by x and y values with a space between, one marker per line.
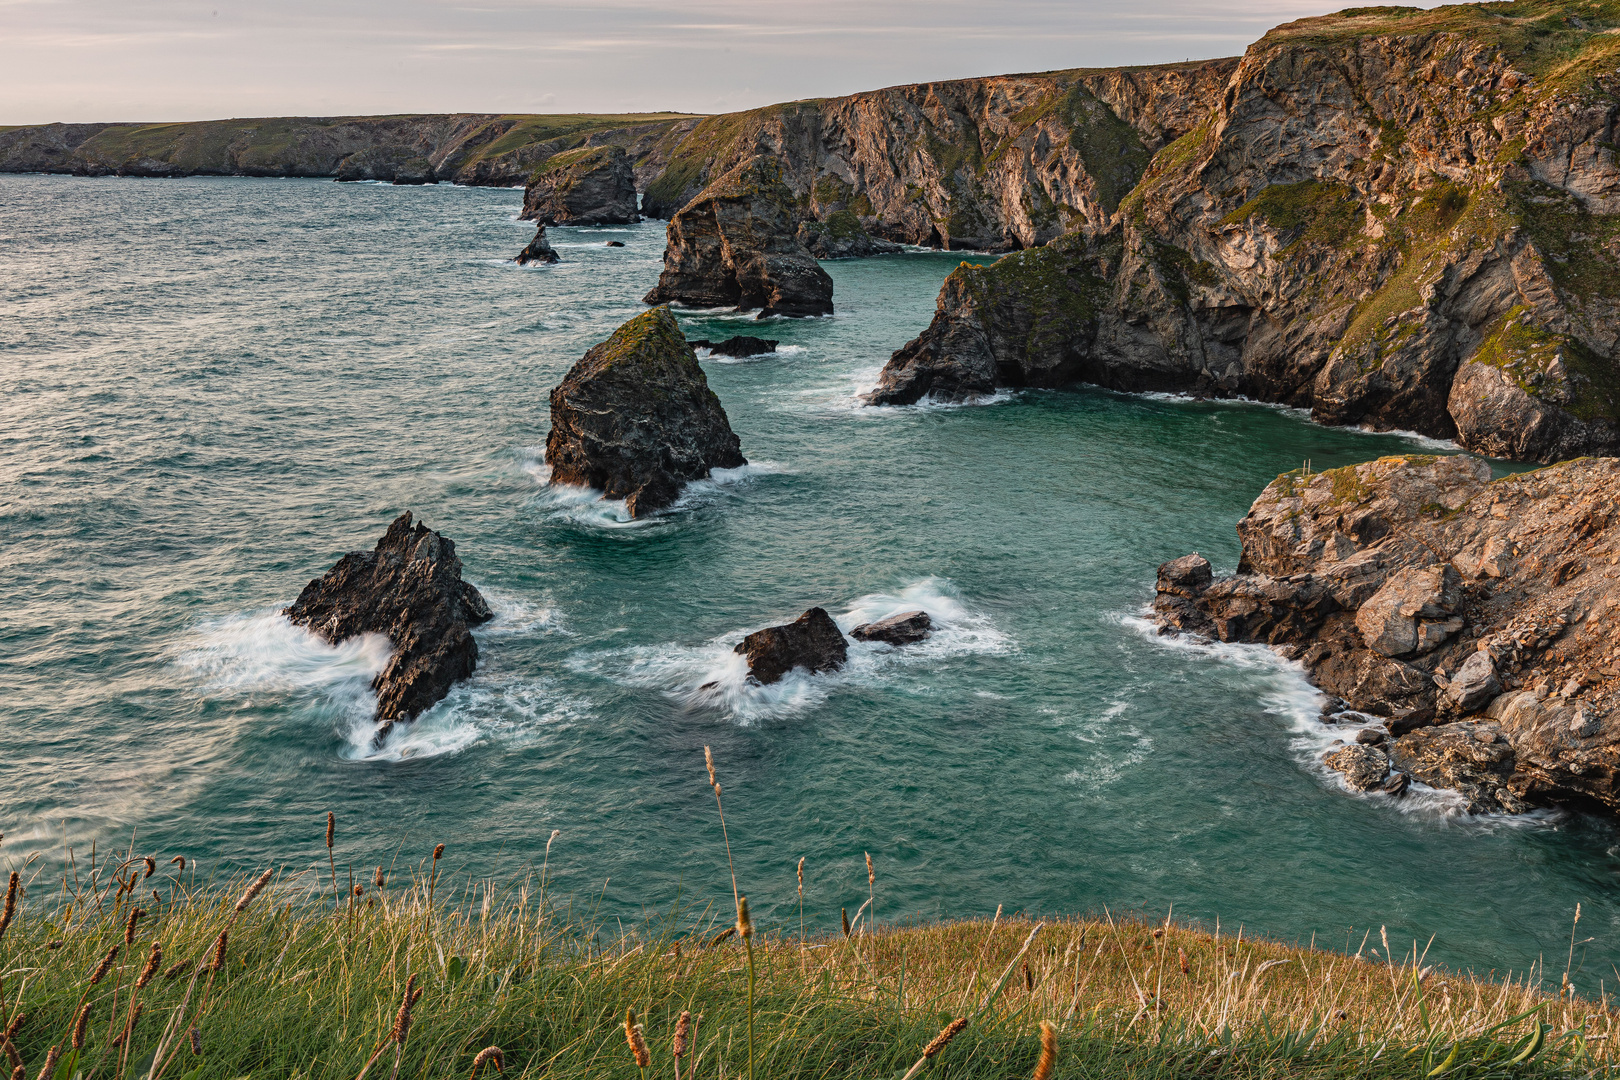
pixel 1465 625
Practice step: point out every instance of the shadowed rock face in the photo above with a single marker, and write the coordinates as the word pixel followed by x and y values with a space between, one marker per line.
pixel 593 186
pixel 409 588
pixel 735 246
pixel 635 418
pixel 812 641
pixel 1478 616
pixel 1342 232
pixel 738 347
pixel 906 628
pixel 538 251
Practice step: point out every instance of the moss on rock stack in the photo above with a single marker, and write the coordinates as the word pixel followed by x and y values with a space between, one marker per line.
pixel 589 186
pixel 635 418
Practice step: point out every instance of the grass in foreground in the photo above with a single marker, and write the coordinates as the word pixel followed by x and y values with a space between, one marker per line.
pixel 132 969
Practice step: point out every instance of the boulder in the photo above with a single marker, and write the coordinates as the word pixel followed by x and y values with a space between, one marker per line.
pixel 636 419
pixel 538 251
pixel 614 243
pixel 735 246
pixel 842 236
pixel 1363 767
pixel 738 347
pixel 409 588
pixel 1412 612
pixel 1474 684
pixel 906 628
pixel 1473 759
pixel 593 185
pixel 812 641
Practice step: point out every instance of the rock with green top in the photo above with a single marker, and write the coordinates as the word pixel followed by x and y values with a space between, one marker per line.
pixel 842 236
pixel 636 420
pixel 735 245
pixel 590 186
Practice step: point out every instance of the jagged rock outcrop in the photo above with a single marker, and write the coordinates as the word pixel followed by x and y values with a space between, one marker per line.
pixel 734 246
pixel 989 164
pixel 409 588
pixel 1420 590
pixel 635 418
pixel 1396 218
pixel 738 347
pixel 590 186
pixel 906 628
pixel 468 148
pixel 538 250
pixel 812 641
pixel 842 236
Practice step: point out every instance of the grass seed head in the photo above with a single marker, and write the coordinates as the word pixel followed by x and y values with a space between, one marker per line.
pixel 843 914
pixel 722 935
pixel 1043 1067
pixel 181 859
pixel 221 943
pixel 638 1042
pixel 49 1069
pixel 490 1054
pixel 745 925
pixel 105 965
pixel 943 1039
pixel 176 969
pixel 801 877
pixel 154 960
pixel 871 878
pixel 10 910
pixel 402 1019
pixel 708 759
pixel 79 1025
pixel 151 867
pixel 1029 979
pixel 331 829
pixel 683 1035
pixel 135 916
pixel 438 853
pixel 196 1040
pixel 253 890
pixel 15 1026
pixel 377 878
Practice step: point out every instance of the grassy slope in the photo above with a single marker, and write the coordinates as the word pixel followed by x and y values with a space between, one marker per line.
pixel 310 987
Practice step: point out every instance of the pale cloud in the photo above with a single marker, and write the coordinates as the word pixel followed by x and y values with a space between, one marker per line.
pixel 85 60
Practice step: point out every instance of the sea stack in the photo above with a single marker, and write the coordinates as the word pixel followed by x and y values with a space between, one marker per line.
pixel 408 587
pixel 636 419
pixel 736 245
pixel 1476 617
pixel 812 641
pixel 593 185
pixel 538 251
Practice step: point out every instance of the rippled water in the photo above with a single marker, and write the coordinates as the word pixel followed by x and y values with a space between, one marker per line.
pixel 213 388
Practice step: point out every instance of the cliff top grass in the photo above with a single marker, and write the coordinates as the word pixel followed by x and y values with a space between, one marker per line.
pixel 136 967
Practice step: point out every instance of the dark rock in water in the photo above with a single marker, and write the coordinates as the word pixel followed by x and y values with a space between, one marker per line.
pixel 408 587
pixel 614 243
pixel 636 418
pixel 812 641
pixel 842 236
pixel 538 251
pixel 738 346
pixel 1397 784
pixel 593 185
pixel 735 246
pixel 906 628
pixel 1372 736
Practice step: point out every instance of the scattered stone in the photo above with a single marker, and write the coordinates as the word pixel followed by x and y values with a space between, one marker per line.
pixel 1452 756
pixel 735 246
pixel 1474 684
pixel 594 185
pixel 737 347
pixel 538 251
pixel 614 243
pixel 409 588
pixel 812 641
pixel 636 419
pixel 907 628
pixel 1363 767
pixel 1371 736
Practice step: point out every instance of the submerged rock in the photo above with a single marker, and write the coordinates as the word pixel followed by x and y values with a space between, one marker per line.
pixel 1418 589
pixel 614 243
pixel 738 347
pixel 636 419
pixel 409 588
pixel 906 628
pixel 538 251
pixel 812 641
pixel 593 185
pixel 735 246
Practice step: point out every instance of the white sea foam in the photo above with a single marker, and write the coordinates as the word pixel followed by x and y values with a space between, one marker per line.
pixel 712 675
pixel 587 506
pixel 1285 692
pixel 1303 415
pixel 264 651
pixel 781 351
pixel 848 397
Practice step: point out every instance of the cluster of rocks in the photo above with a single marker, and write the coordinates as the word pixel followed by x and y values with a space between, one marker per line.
pixel 735 245
pixel 635 418
pixel 737 347
pixel 814 642
pixel 1474 619
pixel 408 588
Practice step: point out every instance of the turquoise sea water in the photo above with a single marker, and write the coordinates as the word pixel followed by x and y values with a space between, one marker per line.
pixel 212 388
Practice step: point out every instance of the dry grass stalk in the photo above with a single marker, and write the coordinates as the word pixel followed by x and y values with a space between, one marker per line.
pixel 177 969
pixel 181 859
pixel 105 965
pixel 154 960
pixel 10 910
pixel 123 1038
pixel 1043 1067
pixel 722 935
pixel 252 891
pixel 490 1054
pixel 638 1042
pixel 151 867
pixel 936 1045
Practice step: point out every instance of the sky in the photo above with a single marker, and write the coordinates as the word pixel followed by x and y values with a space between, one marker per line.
pixel 124 60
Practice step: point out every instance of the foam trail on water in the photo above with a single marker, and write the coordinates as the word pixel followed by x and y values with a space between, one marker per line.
pixel 265 651
pixel 712 675
pixel 586 506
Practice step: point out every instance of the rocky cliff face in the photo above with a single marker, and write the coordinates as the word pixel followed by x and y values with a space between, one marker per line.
pixel 1477 618
pixel 590 186
pixel 470 148
pixel 735 245
pixel 635 418
pixel 1397 218
pixel 994 163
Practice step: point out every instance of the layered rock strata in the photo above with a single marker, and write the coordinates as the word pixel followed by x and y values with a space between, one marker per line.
pixel 589 186
pixel 812 642
pixel 408 588
pixel 735 246
pixel 1477 619
pixel 1393 217
pixel 635 418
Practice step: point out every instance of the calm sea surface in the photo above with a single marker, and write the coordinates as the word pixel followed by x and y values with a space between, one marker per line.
pixel 212 388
